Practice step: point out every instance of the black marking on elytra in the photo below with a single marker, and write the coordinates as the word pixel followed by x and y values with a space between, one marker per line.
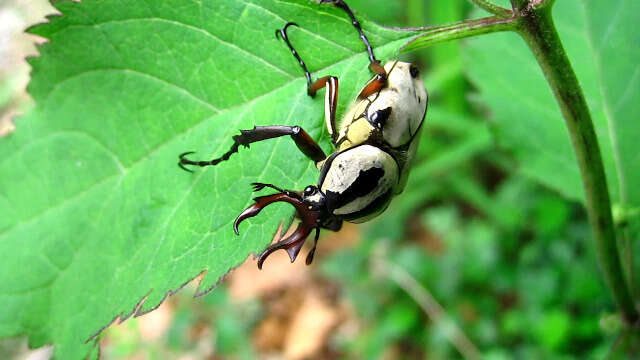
pixel 376 206
pixel 379 118
pixel 366 181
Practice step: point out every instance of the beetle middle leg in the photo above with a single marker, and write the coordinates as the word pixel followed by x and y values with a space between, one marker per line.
pixel 303 141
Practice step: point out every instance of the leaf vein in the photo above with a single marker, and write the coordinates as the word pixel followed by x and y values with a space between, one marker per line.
pixel 140 73
pixel 304 30
pixel 193 28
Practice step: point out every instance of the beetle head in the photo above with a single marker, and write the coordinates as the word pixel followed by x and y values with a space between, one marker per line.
pixel 310 209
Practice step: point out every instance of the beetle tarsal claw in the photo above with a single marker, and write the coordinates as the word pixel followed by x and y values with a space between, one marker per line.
pixel 184 161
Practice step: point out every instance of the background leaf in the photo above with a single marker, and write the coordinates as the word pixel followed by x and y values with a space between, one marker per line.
pixel 503 68
pixel 97 217
pixel 604 51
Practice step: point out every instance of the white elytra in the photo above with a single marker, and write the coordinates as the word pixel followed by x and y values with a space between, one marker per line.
pixel 348 166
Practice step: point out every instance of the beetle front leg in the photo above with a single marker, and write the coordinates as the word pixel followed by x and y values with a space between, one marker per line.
pixel 303 141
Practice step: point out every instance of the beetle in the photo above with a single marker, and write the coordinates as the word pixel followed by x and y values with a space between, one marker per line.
pixel 374 145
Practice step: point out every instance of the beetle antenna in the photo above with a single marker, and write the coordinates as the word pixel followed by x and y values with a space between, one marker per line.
pixel 259 186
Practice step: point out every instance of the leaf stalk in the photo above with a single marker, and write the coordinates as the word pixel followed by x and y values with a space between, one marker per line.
pixel 459 30
pixel 538 30
pixel 492 8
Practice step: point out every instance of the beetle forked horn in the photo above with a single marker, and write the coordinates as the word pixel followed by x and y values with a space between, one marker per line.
pixel 293 243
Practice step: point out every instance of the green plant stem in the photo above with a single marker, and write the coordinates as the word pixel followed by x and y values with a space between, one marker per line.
pixel 538 30
pixel 458 30
pixel 492 8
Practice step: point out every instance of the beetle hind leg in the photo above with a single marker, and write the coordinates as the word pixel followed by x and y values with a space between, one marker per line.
pixel 330 82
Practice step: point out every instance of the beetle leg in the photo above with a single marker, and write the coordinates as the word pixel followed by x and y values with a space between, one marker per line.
pixel 331 82
pixel 283 33
pixel 303 141
pixel 377 83
pixel 342 5
pixel 309 259
pixel 330 101
pixel 380 80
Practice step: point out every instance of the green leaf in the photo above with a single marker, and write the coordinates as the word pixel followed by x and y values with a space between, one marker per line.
pixel 552 329
pixel 97 220
pixel 626 346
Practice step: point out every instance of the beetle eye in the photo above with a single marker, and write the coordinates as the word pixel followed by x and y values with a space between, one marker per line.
pixel 414 71
pixel 309 190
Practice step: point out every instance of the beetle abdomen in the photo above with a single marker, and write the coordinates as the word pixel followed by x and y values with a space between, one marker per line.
pixel 358 183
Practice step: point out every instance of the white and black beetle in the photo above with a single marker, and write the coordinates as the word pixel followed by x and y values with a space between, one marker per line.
pixel 374 143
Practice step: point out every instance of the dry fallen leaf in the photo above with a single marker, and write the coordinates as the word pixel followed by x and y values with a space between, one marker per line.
pixel 310 326
pixel 155 324
pixel 278 272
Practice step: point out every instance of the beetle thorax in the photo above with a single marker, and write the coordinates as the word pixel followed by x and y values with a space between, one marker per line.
pixel 391 116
